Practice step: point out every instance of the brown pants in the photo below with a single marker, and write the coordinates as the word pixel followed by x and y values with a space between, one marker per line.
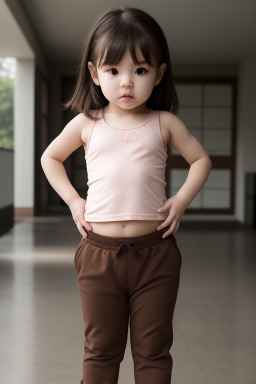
pixel 122 279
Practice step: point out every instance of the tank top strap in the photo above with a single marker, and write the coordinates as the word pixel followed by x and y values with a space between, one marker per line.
pixel 155 117
pixel 156 127
pixel 155 122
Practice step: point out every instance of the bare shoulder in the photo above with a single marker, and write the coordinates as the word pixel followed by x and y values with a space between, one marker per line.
pixel 86 125
pixel 78 124
pixel 69 139
pixel 171 121
pixel 180 137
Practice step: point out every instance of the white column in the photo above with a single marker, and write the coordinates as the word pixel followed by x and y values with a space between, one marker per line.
pixel 24 101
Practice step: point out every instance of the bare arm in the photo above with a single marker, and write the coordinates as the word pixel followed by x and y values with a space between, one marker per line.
pixel 52 163
pixel 58 178
pixel 194 153
pixel 197 176
pixel 56 153
pixel 200 166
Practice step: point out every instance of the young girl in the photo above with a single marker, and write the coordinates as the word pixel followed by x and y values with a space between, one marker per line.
pixel 128 261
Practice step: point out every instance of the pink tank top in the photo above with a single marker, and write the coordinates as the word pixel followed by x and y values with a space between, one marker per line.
pixel 126 171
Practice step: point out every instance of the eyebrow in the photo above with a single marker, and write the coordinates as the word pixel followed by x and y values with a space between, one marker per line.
pixel 139 63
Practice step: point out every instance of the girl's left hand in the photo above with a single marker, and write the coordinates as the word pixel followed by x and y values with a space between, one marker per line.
pixel 176 208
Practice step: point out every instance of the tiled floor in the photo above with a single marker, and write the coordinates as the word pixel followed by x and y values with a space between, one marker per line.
pixel 41 324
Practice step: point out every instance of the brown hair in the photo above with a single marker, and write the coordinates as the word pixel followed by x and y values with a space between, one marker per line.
pixel 118 28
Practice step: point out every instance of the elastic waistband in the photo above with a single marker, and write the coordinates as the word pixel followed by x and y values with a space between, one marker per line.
pixel 125 243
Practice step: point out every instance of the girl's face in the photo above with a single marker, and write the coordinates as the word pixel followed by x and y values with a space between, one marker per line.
pixel 127 78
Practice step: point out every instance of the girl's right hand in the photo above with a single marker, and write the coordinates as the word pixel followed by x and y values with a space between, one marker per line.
pixel 77 208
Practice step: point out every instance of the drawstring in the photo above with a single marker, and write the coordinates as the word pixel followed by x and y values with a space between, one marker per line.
pixel 129 244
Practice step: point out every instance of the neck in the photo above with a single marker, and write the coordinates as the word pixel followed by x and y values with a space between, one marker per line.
pixel 113 109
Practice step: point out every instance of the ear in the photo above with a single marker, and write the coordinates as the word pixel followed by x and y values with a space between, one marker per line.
pixel 160 73
pixel 93 72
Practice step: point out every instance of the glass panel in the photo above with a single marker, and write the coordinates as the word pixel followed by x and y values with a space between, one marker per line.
pixel 190 116
pixel 217 117
pixel 196 202
pixel 177 179
pixel 218 95
pixel 214 194
pixel 213 198
pixel 219 178
pixel 216 191
pixel 217 141
pixel 174 152
pixel 189 94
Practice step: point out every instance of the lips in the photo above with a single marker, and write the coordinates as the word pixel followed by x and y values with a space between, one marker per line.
pixel 126 95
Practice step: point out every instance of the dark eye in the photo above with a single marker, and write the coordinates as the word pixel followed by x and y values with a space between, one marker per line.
pixel 113 69
pixel 140 71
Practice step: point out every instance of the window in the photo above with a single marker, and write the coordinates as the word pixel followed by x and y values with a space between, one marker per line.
pixel 208 108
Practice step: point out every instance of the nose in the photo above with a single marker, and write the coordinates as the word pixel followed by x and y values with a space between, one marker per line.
pixel 126 82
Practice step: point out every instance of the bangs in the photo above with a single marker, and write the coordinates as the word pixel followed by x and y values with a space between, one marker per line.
pixel 116 42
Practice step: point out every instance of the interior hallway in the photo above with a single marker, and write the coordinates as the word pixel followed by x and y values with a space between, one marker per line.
pixel 41 324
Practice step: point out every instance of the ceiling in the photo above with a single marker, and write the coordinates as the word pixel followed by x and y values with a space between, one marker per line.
pixel 197 31
pixel 12 40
